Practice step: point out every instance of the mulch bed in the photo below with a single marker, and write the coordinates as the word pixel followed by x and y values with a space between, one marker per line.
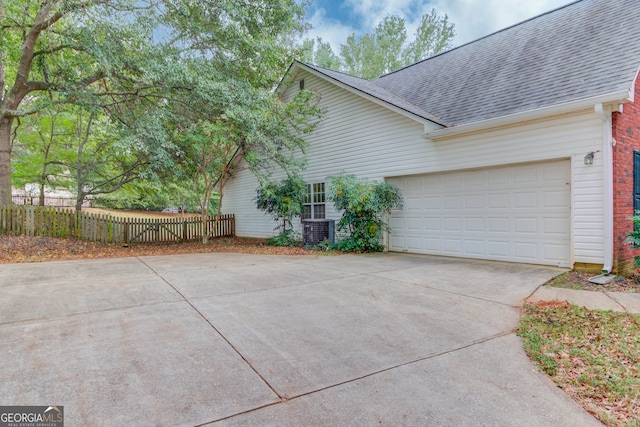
pixel 580 280
pixel 19 249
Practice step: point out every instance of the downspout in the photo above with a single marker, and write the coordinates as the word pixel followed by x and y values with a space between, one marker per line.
pixel 604 113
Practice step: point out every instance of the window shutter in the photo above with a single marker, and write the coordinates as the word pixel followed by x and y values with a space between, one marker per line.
pixel 636 181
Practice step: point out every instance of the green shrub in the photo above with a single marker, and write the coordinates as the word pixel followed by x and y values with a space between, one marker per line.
pixel 283 200
pixel 286 238
pixel 363 204
pixel 633 237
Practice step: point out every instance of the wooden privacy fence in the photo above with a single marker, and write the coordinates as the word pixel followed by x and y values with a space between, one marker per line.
pixel 57 222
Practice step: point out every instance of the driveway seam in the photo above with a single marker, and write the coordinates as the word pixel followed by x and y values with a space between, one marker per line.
pixel 368 375
pixel 85 313
pixel 295 285
pixel 614 299
pixel 215 329
pixel 441 290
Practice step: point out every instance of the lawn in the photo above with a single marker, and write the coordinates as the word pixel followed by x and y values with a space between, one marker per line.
pixel 594 356
pixel 136 214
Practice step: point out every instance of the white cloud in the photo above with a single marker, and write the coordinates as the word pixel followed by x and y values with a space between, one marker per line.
pixel 472 18
pixel 475 19
pixel 329 30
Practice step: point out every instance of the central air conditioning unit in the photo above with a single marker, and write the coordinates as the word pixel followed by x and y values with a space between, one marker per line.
pixel 315 231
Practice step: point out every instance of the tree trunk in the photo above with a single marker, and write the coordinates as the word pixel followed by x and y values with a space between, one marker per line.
pixel 79 202
pixel 5 160
pixel 41 201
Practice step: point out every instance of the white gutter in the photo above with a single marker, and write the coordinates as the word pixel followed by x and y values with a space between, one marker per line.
pixel 604 113
pixel 445 133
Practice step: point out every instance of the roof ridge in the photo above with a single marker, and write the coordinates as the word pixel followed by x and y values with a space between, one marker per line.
pixel 309 64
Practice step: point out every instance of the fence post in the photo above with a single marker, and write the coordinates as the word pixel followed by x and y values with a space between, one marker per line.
pixel 125 231
pixel 233 225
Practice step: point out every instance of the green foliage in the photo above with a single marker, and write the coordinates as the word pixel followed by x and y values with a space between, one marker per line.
pixel 319 53
pixel 155 195
pixel 363 204
pixel 434 35
pixel 385 49
pixel 155 88
pixel 633 237
pixel 285 238
pixel 283 201
pixel 153 72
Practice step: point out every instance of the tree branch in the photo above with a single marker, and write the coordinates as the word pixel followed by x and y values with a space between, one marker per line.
pixel 16 113
pixel 59 48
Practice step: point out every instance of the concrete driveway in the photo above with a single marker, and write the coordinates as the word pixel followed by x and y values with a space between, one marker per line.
pixel 231 339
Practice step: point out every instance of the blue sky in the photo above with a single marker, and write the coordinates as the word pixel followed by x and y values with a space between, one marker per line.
pixel 335 20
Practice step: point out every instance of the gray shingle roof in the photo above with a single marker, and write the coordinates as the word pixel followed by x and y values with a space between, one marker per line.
pixel 370 88
pixel 586 49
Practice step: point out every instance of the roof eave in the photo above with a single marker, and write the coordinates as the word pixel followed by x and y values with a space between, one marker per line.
pixel 620 97
pixel 282 84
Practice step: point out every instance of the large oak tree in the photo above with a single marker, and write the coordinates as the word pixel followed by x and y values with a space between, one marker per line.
pixel 154 68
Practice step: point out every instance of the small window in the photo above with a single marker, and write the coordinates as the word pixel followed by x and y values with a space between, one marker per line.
pixel 314 204
pixel 301 84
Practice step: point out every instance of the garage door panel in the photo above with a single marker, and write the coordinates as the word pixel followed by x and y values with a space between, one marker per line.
pixel 555 199
pixel 497 177
pixel 452 246
pixel 556 252
pixel 414 223
pixel 452 202
pixel 525 251
pixel 474 224
pixel 554 226
pixel 414 243
pixel 555 173
pixel 498 249
pixel 432 224
pixel 474 247
pixel 526 225
pixel 432 245
pixel 474 201
pixel 498 201
pixel 498 224
pixel 518 213
pixel 432 203
pixel 452 224
pixel 397 242
pixel 527 200
pixel 413 204
pixel 453 181
pixel 396 223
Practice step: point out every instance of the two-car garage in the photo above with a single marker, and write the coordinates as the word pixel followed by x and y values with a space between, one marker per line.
pixel 517 213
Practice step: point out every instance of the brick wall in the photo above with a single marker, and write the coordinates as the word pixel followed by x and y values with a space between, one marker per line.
pixel 626 132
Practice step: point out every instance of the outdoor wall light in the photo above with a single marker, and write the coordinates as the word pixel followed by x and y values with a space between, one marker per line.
pixel 588 159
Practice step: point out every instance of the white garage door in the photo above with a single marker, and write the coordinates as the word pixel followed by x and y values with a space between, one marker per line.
pixel 516 213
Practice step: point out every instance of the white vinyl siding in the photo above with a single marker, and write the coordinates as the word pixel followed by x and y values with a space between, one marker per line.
pixel 360 137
